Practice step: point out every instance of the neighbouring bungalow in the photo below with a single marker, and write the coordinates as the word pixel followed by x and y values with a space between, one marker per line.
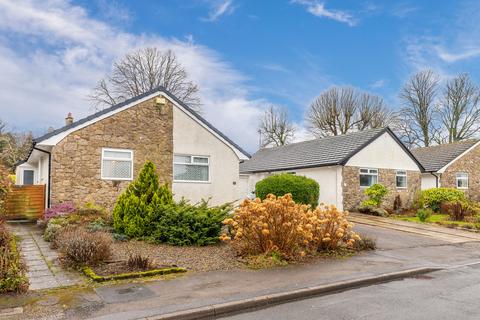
pixel 452 165
pixel 95 158
pixel 343 166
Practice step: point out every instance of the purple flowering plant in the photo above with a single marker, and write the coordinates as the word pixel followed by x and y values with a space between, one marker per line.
pixel 61 209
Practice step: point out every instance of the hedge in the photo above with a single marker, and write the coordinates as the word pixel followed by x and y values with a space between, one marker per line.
pixel 303 190
pixel 433 198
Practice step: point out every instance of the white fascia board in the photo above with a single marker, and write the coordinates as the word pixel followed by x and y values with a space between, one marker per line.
pixel 442 170
pixel 54 140
pixel 239 153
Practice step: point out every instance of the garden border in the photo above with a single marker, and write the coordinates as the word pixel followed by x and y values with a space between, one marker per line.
pixel 87 271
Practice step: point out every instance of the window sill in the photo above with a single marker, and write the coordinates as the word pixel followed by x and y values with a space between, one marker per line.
pixel 115 179
pixel 189 181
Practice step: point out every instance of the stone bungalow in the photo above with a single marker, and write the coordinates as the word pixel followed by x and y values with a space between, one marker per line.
pixel 453 165
pixel 95 158
pixel 343 166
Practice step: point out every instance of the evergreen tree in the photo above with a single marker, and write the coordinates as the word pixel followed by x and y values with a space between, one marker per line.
pixel 136 203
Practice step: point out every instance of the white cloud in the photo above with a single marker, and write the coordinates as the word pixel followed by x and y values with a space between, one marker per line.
pixel 52 53
pixel 220 8
pixel 318 9
pixel 378 84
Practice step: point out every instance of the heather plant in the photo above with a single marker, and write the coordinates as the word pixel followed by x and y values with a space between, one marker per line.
pixel 278 224
pixel 59 210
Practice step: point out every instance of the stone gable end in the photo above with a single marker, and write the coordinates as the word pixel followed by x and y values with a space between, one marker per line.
pixel 76 160
pixel 469 163
pixel 353 194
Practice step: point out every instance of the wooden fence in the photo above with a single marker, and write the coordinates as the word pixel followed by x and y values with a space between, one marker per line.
pixel 25 202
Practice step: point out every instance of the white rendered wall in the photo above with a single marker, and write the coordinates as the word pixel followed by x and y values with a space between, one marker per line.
pixel 190 138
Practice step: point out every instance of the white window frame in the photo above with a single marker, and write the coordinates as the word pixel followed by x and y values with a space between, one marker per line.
pixel 457 178
pixel 119 159
pixel 401 173
pixel 368 173
pixel 192 156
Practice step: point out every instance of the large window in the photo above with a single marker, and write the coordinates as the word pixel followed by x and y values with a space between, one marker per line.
pixel 401 179
pixel 368 177
pixel 117 164
pixel 191 168
pixel 462 180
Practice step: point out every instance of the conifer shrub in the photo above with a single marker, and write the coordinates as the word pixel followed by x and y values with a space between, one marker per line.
pixel 302 189
pixel 139 199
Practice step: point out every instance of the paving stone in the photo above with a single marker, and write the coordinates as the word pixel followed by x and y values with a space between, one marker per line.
pixel 35 262
pixel 34 274
pixel 38 268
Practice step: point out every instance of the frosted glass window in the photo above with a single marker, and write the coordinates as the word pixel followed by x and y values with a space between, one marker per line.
pixel 117 164
pixel 191 168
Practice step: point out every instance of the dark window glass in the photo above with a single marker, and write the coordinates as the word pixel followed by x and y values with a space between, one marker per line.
pixel 28 177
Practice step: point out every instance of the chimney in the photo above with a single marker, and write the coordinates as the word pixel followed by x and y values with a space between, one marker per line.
pixel 69 119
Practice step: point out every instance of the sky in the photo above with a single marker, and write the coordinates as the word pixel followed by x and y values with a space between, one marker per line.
pixel 244 54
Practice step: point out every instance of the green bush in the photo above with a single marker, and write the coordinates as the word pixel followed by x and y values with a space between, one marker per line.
pixel 138 200
pixel 147 210
pixel 303 190
pixel 12 269
pixel 375 194
pixel 424 214
pixel 185 224
pixel 433 198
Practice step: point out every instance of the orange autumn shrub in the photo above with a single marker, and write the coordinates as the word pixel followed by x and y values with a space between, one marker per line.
pixel 278 224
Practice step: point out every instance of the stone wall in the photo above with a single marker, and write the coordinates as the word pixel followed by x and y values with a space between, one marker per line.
pixel 353 194
pixel 469 163
pixel 76 160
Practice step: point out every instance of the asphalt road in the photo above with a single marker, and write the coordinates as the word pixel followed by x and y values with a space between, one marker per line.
pixel 448 294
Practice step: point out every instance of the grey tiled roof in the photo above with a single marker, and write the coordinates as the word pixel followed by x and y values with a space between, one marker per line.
pixel 117 106
pixel 436 157
pixel 314 153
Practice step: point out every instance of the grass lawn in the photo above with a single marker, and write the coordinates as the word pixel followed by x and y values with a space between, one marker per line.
pixel 441 219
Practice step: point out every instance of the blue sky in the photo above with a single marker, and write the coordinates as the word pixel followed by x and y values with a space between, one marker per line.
pixel 244 55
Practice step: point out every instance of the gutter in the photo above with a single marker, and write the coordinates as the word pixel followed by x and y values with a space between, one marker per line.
pixel 436 179
pixel 49 172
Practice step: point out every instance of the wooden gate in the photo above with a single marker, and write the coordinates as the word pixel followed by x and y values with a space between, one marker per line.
pixel 25 202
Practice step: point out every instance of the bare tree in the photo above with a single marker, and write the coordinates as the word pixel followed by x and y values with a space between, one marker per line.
pixel 15 147
pixel 340 110
pixel 142 71
pixel 460 113
pixel 275 128
pixel 418 124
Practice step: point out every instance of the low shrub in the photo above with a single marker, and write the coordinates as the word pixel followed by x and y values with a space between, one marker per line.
pixel 12 269
pixel 424 214
pixel 303 190
pixel 138 261
pixel 458 210
pixel 278 224
pixel 375 194
pixel 186 224
pixel 79 247
pixel 54 226
pixel 365 243
pixel 433 198
pixel 147 210
pixel 397 203
pixel 374 211
pixel 5 186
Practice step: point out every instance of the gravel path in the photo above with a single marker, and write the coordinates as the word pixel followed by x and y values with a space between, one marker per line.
pixel 213 257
